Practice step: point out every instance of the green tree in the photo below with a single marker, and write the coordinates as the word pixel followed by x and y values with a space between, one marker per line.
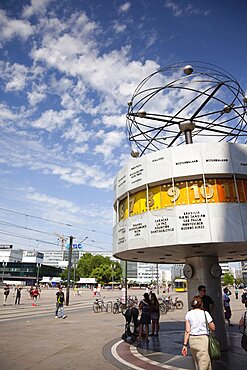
pixel 228 279
pixel 238 281
pixel 96 266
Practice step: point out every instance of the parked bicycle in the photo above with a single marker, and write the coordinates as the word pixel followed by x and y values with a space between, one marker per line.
pixel 132 301
pixel 118 306
pixel 167 304
pixel 99 305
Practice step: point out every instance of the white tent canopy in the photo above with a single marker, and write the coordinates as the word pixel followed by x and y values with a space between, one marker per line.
pixel 45 279
pixel 87 281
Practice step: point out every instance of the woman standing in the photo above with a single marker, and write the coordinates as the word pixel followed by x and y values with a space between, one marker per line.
pixel 227 307
pixel 155 315
pixel 145 320
pixel 196 334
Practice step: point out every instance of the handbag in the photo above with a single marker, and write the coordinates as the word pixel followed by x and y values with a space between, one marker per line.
pixel 213 344
pixel 242 330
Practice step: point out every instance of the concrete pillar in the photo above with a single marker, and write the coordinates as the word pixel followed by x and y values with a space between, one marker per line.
pixel 202 276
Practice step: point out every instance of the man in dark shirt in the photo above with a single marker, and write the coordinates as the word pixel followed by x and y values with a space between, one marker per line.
pixel 208 303
pixel 244 297
pixel 59 303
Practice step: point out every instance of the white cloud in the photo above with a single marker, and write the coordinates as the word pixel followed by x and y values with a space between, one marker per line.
pixel 119 28
pixel 35 97
pixel 46 199
pixel 77 55
pixel 32 154
pixel 10 28
pixel 61 209
pixel 110 141
pixel 111 121
pixel 174 7
pixel 36 7
pixel 77 133
pixel 16 76
pixel 5 113
pixel 186 10
pixel 51 120
pixel 124 7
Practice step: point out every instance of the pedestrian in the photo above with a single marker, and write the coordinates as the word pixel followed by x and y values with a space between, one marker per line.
pixel 6 291
pixel 145 320
pixel 59 303
pixel 35 294
pixel 30 291
pixel 236 292
pixel 208 303
pixel 155 315
pixel 243 330
pixel 244 297
pixel 94 291
pixel 196 334
pixel 226 304
pixel 18 295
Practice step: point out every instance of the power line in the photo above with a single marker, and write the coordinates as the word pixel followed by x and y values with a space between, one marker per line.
pixel 25 228
pixel 26 237
pixel 56 222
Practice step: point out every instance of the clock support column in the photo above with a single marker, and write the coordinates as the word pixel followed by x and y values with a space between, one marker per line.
pixel 202 275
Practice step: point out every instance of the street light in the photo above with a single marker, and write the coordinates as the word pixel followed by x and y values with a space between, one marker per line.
pixel 112 272
pixel 75 266
pixel 38 265
pixel 4 264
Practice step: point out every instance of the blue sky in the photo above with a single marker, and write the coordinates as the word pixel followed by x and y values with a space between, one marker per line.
pixel 67 70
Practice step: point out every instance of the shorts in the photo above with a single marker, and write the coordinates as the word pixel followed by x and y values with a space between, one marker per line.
pixel 145 319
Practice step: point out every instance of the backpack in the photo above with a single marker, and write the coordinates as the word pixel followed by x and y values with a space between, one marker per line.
pixel 244 298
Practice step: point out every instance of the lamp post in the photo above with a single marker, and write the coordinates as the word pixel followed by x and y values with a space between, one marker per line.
pixel 4 264
pixel 112 274
pixel 38 265
pixel 157 278
pixel 69 269
pixel 75 265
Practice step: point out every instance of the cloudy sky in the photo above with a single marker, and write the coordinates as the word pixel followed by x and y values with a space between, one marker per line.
pixel 67 70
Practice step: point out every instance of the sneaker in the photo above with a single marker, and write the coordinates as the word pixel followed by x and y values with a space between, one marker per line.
pixel 55 317
pixel 64 316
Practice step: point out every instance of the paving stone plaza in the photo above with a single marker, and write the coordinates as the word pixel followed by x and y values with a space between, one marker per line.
pixel 31 338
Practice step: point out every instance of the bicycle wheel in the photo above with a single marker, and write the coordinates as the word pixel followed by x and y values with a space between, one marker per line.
pixel 115 308
pixel 163 308
pixel 179 305
pixel 96 307
pixel 171 307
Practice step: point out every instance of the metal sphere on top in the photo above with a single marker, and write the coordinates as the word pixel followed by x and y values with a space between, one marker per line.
pixel 169 99
pixel 188 69
pixel 134 153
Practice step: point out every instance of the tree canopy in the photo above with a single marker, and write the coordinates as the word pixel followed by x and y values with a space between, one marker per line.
pixel 99 267
pixel 228 279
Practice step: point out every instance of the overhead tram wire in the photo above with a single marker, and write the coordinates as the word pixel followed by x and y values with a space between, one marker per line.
pixel 25 228
pixel 40 231
pixel 26 237
pixel 55 222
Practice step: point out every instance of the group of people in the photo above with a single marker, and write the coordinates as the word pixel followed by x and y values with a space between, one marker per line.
pixel 150 313
pixel 16 292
